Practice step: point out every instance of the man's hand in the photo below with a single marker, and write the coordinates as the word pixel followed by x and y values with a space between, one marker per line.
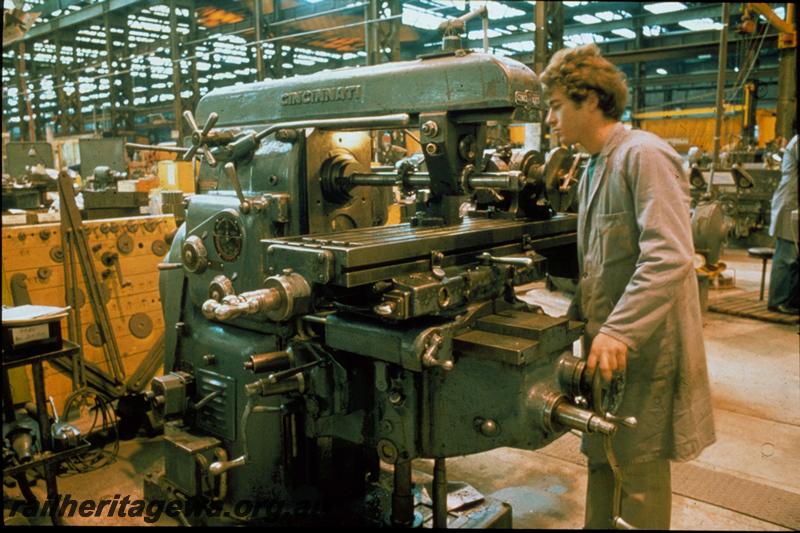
pixel 609 354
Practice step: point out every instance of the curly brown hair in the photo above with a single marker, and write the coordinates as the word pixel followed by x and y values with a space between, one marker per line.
pixel 580 70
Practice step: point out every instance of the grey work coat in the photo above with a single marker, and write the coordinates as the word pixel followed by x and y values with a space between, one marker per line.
pixel 784 201
pixel 639 286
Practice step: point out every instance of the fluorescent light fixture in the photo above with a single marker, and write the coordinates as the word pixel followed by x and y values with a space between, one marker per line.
pixel 624 32
pixel 665 7
pixel 587 19
pixel 661 71
pixel 701 24
pixel 780 11
pixel 573 4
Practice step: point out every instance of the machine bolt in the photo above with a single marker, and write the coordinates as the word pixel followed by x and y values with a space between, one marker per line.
pixel 209 359
pixel 431 148
pixel 386 426
pixel 396 398
pixel 387 451
pixel 430 128
pixel 489 428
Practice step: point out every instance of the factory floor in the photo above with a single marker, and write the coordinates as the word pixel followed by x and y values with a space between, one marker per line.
pixel 747 480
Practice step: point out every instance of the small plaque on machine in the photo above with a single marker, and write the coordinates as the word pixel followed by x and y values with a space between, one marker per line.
pixel 31 330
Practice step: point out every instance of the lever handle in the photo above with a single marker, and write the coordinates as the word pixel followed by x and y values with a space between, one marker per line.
pixel 218 467
pixel 429 356
pixel 55 411
pixel 200 137
pixel 516 261
pixel 230 171
pixel 627 421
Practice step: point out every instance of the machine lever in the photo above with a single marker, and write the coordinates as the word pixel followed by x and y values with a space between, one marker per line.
pixel 230 171
pixel 219 467
pixel 429 356
pixel 516 261
pixel 200 137
pixel 275 377
pixel 627 421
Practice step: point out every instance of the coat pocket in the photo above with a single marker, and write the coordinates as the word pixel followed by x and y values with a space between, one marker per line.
pixel 618 237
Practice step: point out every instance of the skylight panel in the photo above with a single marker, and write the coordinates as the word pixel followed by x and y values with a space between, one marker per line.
pixel 574 4
pixel 478 34
pixel 458 4
pixel 661 71
pixel 499 10
pixel 624 32
pixel 583 38
pixel 419 18
pixel 521 46
pixel 664 7
pixel 701 24
pixel 587 19
pixel 608 15
pixel 652 31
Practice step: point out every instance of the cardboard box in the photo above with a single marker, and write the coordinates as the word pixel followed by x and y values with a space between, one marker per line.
pixel 176 176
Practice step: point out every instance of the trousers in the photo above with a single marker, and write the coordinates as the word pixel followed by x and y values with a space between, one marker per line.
pixel 646 495
pixel 785 275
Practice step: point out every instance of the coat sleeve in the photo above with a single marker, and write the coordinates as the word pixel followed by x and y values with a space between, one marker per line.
pixel 661 206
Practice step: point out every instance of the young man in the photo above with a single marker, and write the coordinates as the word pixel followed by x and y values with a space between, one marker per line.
pixel 785 276
pixel 637 292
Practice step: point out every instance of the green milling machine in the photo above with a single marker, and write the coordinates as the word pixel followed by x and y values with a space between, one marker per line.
pixel 307 343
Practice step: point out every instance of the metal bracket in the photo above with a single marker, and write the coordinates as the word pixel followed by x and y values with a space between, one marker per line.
pixel 436 264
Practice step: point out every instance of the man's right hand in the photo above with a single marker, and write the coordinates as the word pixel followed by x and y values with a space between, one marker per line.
pixel 609 354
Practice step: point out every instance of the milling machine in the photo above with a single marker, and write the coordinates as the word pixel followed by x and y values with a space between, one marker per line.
pixel 307 343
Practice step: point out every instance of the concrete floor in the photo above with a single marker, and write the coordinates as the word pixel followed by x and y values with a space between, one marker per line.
pixel 754 368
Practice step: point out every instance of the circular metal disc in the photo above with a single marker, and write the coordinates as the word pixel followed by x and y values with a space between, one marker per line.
pixel 93 335
pixel 125 243
pixel 57 254
pixel 159 248
pixel 140 325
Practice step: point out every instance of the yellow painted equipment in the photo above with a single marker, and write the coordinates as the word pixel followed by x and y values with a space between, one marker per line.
pixel 33 261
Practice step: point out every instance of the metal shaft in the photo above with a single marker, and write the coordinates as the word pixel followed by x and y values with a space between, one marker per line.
pixel 439 493
pixel 723 62
pixel 402 497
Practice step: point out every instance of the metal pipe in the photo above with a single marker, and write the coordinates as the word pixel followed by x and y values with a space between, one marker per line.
pixel 175 149
pixel 381 121
pixel 257 17
pixel 440 493
pixel 720 112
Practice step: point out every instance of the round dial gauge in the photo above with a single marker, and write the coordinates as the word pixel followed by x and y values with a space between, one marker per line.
pixel 228 237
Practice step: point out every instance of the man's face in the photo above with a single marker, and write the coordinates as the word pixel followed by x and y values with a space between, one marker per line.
pixel 566 119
